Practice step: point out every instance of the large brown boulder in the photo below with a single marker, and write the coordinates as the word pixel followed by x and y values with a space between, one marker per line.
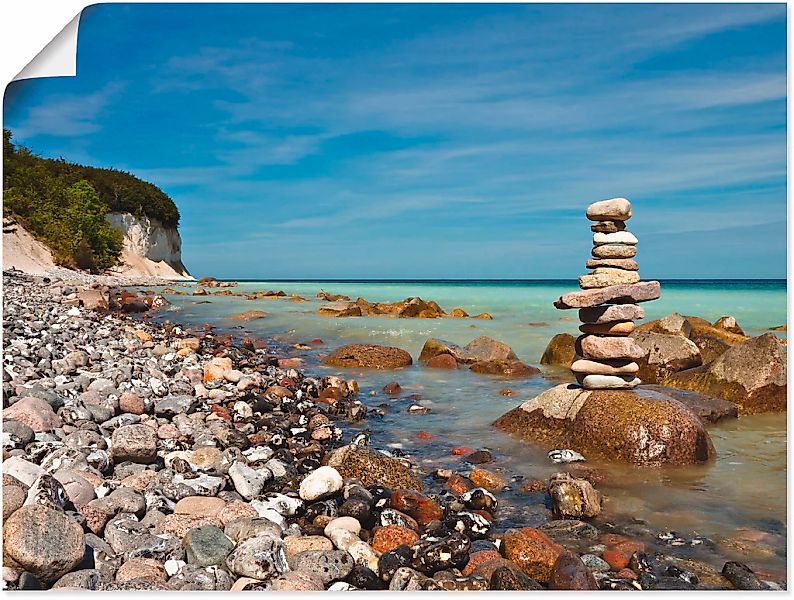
pixel 373 468
pixel 560 351
pixel 633 426
pixel 368 356
pixel 480 349
pixel 664 355
pixel 751 374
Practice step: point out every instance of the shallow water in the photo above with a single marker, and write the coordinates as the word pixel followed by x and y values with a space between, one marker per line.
pixel 738 502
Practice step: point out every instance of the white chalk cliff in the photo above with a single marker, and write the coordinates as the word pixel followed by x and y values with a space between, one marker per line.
pixel 150 248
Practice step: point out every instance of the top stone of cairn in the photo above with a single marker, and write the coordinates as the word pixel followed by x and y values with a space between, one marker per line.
pixel 614 209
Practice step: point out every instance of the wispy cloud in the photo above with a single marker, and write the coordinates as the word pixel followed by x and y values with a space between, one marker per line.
pixel 68 115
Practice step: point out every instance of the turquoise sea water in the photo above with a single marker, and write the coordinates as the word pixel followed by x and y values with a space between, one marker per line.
pixel 742 494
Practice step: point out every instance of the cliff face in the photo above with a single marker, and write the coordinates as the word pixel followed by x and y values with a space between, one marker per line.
pixel 150 248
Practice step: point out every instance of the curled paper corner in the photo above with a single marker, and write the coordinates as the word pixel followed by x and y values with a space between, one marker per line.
pixel 58 58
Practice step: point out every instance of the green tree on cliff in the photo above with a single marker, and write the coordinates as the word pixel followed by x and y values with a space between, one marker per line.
pixel 64 205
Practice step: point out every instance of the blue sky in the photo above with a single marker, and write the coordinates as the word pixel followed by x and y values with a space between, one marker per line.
pixel 435 141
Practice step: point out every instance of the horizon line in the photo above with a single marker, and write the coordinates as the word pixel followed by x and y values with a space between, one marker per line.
pixel 487 280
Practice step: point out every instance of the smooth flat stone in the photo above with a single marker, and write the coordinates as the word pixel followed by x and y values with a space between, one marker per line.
pixel 614 251
pixel 627 264
pixel 614 294
pixel 614 209
pixel 608 382
pixel 603 367
pixel 600 348
pixel 616 328
pixel 604 277
pixel 610 313
pixel 608 226
pixel 619 237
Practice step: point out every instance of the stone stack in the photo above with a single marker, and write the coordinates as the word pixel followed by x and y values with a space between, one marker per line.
pixel 608 302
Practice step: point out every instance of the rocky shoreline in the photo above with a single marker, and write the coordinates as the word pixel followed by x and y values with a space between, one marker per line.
pixel 143 456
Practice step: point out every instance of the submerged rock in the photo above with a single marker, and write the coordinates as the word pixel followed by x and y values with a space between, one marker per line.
pixel 621 425
pixel 504 368
pixel 368 356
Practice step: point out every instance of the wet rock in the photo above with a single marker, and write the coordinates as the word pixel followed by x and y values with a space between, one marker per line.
pixel 570 573
pixel 487 480
pixel 389 537
pixel 506 578
pixel 570 529
pixel 135 443
pixel 446 553
pixel 742 577
pixel 560 351
pixel 640 428
pixel 573 498
pixel 392 389
pixel 373 468
pixel 474 525
pixel 416 505
pixel 393 560
pixel 751 374
pixel 368 356
pixel 533 551
pixel 442 361
pixel 207 545
pixel 44 541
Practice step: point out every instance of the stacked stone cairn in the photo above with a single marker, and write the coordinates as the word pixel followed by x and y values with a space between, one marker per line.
pixel 608 302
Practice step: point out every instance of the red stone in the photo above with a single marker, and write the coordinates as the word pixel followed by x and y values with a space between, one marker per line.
pixel 416 505
pixel 626 574
pixel 221 411
pixel 442 361
pixel 461 451
pixel 389 537
pixel 478 558
pixel 457 484
pixel 484 513
pixel 425 436
pixel 317 342
pixel 392 388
